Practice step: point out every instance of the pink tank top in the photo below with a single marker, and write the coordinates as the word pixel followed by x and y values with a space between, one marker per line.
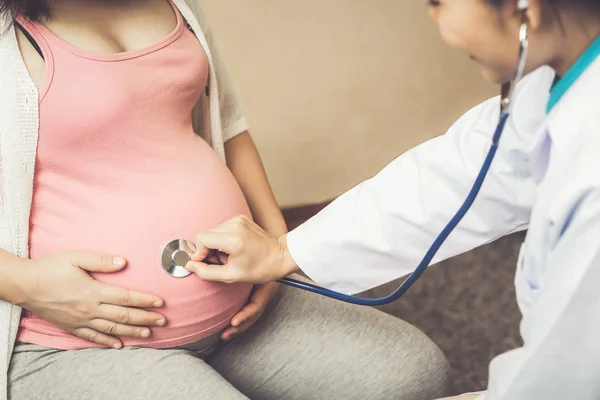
pixel 119 170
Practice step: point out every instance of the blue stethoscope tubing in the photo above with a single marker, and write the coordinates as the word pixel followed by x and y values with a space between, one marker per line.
pixel 415 275
pixel 505 106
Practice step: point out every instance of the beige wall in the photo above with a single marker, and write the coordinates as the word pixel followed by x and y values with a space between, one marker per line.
pixel 335 89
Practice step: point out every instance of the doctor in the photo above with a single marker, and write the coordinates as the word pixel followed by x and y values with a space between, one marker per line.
pixel 545 178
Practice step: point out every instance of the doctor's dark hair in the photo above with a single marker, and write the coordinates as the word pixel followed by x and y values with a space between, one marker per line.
pixel 34 10
pixel 579 5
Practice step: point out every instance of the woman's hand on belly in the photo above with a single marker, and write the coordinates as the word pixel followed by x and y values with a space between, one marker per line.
pixel 260 297
pixel 58 289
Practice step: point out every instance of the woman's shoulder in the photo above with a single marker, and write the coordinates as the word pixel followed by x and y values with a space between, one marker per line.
pixel 196 8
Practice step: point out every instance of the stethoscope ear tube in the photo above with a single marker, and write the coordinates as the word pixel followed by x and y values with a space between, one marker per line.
pixel 509 87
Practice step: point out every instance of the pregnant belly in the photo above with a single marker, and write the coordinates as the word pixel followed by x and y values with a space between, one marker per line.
pixel 134 216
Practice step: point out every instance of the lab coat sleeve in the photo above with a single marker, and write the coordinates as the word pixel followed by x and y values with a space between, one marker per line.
pixel 560 358
pixel 379 230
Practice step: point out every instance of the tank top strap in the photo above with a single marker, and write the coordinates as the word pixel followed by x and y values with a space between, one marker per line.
pixel 36 36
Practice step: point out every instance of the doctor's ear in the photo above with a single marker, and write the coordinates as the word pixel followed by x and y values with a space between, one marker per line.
pixel 534 13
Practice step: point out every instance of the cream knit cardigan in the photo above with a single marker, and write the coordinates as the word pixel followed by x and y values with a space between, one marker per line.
pixel 217 117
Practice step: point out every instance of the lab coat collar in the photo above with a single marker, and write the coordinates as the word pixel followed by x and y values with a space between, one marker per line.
pixel 560 129
pixel 578 105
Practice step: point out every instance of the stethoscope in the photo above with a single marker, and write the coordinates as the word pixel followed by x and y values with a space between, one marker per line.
pixel 176 254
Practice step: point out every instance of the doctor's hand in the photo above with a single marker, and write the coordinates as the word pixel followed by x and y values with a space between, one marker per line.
pixel 260 297
pixel 58 289
pixel 251 255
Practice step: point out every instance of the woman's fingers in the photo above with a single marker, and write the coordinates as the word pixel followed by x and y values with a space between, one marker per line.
pixel 233 331
pixel 229 333
pixel 116 329
pixel 243 320
pixel 249 311
pixel 98 338
pixel 128 298
pixel 130 316
pixel 98 262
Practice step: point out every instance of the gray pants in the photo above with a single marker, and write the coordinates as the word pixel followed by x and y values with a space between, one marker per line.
pixel 304 347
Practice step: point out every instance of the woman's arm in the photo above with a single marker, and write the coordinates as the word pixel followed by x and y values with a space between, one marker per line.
pixel 246 166
pixel 11 287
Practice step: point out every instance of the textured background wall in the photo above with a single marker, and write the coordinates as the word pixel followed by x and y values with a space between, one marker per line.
pixel 335 89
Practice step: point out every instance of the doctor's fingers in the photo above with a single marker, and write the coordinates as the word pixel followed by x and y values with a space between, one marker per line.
pixel 227 273
pixel 223 241
pixel 229 237
pixel 215 257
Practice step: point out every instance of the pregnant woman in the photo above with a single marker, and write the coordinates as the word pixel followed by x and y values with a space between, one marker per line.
pixel 119 131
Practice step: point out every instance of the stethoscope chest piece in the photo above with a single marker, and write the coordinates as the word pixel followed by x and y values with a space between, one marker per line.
pixel 175 255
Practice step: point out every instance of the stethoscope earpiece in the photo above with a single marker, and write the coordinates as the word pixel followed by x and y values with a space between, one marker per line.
pixel 523 5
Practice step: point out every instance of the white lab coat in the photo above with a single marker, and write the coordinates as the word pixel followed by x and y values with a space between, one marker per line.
pixel 545 178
